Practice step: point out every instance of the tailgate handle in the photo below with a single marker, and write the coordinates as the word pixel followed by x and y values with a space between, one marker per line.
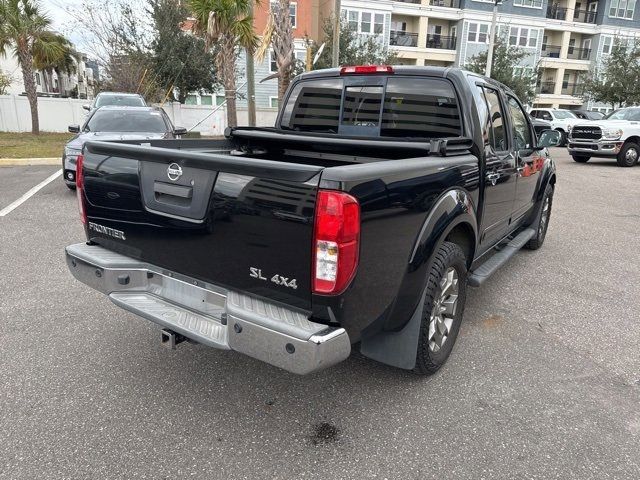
pixel 173 190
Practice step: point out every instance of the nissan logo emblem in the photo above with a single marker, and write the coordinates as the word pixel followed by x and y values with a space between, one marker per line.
pixel 174 172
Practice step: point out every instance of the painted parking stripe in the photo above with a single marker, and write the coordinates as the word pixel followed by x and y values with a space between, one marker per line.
pixel 8 209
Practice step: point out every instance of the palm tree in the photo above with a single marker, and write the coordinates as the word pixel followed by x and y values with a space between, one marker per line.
pixel 228 24
pixel 278 36
pixel 65 62
pixel 26 30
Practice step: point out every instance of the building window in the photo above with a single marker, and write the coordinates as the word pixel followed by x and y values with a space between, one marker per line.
pixel 191 100
pixel 622 9
pixel 273 65
pixel 478 32
pixel 523 37
pixel 205 100
pixel 607 41
pixel 220 100
pixel 273 102
pixel 523 72
pixel 528 3
pixel 364 22
pixel 37 75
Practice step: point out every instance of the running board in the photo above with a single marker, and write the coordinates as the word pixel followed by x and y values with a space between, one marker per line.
pixel 493 263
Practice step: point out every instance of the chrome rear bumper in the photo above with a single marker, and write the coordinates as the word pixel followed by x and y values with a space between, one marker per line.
pixel 209 314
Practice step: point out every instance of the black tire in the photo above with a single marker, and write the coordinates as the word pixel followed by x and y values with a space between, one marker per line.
pixel 69 186
pixel 629 154
pixel 543 214
pixel 563 138
pixel 449 256
pixel 581 158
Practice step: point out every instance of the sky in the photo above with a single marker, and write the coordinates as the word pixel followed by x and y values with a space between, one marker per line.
pixel 55 11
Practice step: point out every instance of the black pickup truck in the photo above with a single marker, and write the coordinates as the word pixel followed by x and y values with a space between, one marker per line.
pixel 356 222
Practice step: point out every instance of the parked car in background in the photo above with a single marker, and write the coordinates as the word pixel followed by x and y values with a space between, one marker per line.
pixel 587 114
pixel 104 99
pixel 360 226
pixel 561 120
pixel 540 125
pixel 116 123
pixel 617 136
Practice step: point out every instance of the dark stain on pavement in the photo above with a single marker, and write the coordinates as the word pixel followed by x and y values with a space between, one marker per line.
pixel 324 432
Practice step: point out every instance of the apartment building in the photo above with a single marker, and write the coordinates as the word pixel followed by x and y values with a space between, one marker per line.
pixel 51 84
pixel 564 38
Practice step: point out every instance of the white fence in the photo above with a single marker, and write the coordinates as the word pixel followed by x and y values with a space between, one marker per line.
pixel 56 114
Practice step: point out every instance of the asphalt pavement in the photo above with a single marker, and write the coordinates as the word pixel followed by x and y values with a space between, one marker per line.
pixel 544 382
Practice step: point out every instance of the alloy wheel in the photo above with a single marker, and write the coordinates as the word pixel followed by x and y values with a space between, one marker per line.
pixel 444 310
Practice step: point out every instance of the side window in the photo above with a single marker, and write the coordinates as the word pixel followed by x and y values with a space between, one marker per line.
pixel 535 113
pixel 497 133
pixel 547 116
pixel 519 125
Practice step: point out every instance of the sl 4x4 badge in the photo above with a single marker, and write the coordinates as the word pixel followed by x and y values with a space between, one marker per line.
pixel 277 279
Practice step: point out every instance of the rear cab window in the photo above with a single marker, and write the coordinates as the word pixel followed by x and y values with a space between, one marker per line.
pixel 393 106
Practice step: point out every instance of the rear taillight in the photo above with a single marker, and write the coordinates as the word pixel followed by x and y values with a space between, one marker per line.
pixel 80 188
pixel 336 242
pixel 363 69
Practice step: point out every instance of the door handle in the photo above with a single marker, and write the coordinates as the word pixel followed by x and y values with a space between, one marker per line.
pixel 493 177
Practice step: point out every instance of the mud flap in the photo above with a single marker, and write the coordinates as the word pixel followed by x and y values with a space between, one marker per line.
pixel 398 349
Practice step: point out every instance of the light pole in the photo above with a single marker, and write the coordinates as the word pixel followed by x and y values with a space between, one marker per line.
pixel 492 33
pixel 335 52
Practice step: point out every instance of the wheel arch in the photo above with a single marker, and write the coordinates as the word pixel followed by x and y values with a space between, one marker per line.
pixel 393 340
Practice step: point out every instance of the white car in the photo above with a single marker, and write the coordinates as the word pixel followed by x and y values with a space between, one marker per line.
pixel 561 120
pixel 615 136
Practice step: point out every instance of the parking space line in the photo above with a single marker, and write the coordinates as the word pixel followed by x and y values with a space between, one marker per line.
pixel 30 193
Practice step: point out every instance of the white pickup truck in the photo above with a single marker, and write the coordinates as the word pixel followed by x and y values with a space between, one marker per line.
pixel 616 136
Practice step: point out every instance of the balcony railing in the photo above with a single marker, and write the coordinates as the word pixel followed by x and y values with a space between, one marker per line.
pixel 440 41
pixel 551 51
pixel 436 3
pixel 573 89
pixel 403 39
pixel 547 87
pixel 557 12
pixel 578 53
pixel 584 16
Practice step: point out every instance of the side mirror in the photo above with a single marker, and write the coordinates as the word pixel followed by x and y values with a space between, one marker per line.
pixel 179 131
pixel 86 107
pixel 549 138
pixel 74 128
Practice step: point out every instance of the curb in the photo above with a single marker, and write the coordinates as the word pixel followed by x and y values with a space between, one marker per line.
pixel 21 162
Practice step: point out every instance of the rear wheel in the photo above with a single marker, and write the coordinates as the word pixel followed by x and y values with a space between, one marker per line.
pixel 70 186
pixel 443 308
pixel 629 154
pixel 581 158
pixel 541 223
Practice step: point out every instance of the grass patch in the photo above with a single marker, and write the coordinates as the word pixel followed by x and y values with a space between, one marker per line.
pixel 27 145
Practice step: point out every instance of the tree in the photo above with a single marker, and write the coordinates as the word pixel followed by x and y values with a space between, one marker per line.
pixel 117 35
pixel 180 60
pixel 66 62
pixel 228 24
pixel 506 59
pixel 617 82
pixel 354 49
pixel 26 30
pixel 5 82
pixel 278 37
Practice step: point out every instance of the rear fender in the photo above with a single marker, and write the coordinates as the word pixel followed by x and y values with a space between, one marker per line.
pixel 393 339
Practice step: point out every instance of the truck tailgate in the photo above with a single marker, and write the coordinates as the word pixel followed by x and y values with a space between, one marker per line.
pixel 242 223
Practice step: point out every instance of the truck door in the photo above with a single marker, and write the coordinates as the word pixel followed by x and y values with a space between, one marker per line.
pixel 500 169
pixel 529 162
